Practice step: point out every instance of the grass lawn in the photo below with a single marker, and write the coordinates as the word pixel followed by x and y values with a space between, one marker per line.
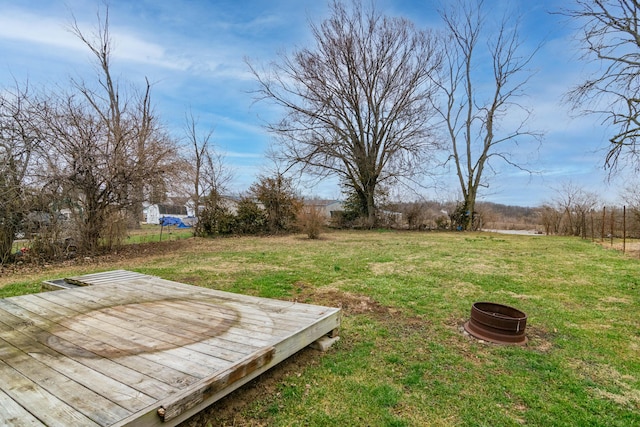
pixel 402 359
pixel 156 233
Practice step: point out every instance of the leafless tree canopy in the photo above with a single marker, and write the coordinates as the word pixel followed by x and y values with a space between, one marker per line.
pixel 631 197
pixel 573 203
pixel 138 148
pixel 610 36
pixel 104 149
pixel 96 149
pixel 205 164
pixel 358 104
pixel 473 108
pixel 204 167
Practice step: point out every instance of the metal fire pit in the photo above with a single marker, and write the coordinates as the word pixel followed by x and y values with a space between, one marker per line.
pixel 497 323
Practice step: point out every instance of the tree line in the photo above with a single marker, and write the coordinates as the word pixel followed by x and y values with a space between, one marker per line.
pixel 379 103
pixel 375 101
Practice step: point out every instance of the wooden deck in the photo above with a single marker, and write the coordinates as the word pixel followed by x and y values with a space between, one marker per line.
pixel 130 349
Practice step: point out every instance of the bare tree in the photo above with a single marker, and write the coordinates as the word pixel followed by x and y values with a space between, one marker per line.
pixel 105 148
pixel 631 197
pixel 551 219
pixel 142 155
pixel 611 37
pixel 206 169
pixel 358 104
pixel 573 203
pixel 477 101
pixel 80 165
pixel 18 145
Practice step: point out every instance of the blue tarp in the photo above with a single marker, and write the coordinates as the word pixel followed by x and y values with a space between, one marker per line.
pixel 171 220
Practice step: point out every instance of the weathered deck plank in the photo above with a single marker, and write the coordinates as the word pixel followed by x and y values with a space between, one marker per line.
pixel 156 379
pixel 102 384
pixel 131 349
pixel 28 394
pixel 84 400
pixel 14 414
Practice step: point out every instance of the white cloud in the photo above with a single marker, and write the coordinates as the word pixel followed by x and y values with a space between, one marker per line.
pixel 43 31
pixel 130 47
pixel 38 29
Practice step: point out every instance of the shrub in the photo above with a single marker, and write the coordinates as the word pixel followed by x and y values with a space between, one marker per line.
pixel 310 221
pixel 281 205
pixel 250 219
pixel 215 218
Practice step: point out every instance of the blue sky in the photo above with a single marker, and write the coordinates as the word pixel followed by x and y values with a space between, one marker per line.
pixel 194 51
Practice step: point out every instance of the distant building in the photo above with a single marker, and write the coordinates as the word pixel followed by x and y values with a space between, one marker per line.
pixel 390 218
pixel 230 203
pixel 327 208
pixel 158 211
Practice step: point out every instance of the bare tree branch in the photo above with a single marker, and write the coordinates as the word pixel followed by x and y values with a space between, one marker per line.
pixel 611 38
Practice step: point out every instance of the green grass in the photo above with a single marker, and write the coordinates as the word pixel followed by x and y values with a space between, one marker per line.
pixel 402 359
pixel 154 233
pixel 20 288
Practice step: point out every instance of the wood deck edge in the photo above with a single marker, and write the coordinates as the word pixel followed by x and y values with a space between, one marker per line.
pixel 283 350
pixel 211 386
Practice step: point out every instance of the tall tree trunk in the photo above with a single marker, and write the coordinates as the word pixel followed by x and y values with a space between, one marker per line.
pixel 371 210
pixel 471 205
pixel 9 209
pixel 7 233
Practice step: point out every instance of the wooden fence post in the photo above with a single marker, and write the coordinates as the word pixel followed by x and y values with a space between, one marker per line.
pixel 611 226
pixel 604 218
pixel 624 228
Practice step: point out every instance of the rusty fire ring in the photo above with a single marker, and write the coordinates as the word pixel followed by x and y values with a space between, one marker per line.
pixel 497 323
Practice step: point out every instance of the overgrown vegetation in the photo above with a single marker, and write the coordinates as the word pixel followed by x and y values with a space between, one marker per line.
pixel 403 359
pixel 271 207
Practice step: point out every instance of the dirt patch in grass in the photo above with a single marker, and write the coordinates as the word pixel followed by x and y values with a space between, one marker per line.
pixel 612 385
pixel 385 268
pixel 518 296
pixel 539 339
pixel 465 289
pixel 631 247
pixel 625 300
pixel 351 304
